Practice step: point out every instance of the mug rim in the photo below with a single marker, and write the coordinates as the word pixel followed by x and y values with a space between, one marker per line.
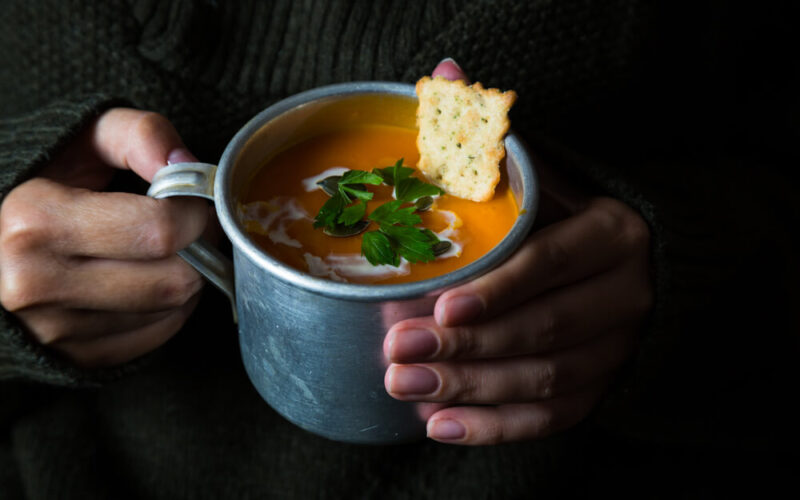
pixel 226 209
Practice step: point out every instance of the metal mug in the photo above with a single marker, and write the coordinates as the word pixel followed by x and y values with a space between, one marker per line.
pixel 313 347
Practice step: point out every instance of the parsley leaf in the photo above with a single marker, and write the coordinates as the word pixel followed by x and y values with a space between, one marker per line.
pixel 397 235
pixel 360 177
pixel 412 188
pixel 352 214
pixel 377 248
pixel 330 211
pixel 391 213
pixel 394 174
pixel 351 185
pixel 412 243
pixel 349 192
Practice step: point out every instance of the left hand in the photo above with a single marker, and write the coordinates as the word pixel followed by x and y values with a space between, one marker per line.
pixel 535 343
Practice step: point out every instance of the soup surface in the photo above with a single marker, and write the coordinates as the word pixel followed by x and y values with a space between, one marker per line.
pixel 282 200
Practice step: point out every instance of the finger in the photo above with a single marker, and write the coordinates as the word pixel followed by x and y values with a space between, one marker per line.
pixel 510 380
pixel 98 284
pixel 137 140
pixel 119 348
pixel 426 410
pixel 79 222
pixel 470 425
pixel 51 325
pixel 555 320
pixel 586 244
pixel 450 70
pixel 149 286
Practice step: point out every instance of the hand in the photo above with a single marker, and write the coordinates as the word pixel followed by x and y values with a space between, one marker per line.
pixel 93 275
pixel 529 348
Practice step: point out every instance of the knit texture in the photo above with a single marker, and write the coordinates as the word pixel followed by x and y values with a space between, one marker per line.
pixel 687 117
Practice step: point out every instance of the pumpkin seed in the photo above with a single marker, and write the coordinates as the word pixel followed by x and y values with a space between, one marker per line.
pixel 441 248
pixel 330 184
pixel 423 204
pixel 342 231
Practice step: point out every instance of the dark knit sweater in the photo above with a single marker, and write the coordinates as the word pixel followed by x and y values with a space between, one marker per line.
pixel 690 117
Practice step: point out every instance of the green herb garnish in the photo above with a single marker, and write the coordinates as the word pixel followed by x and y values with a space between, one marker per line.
pixel 335 210
pixel 392 176
pixel 392 213
pixel 378 249
pixel 397 235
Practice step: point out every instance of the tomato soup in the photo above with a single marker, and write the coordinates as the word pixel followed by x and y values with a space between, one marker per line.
pixel 283 198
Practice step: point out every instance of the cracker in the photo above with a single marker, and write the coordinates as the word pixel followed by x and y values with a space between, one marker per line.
pixel 461 130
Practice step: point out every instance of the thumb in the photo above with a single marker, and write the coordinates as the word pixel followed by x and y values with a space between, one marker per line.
pixel 450 70
pixel 141 141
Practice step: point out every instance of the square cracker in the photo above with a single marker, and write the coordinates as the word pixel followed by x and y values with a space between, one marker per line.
pixel 461 130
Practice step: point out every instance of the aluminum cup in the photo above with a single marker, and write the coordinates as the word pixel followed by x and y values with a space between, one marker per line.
pixel 313 347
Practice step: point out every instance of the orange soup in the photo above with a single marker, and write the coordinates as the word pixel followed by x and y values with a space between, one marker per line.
pixel 283 198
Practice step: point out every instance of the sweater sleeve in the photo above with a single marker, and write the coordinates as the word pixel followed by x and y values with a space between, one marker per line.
pixel 28 142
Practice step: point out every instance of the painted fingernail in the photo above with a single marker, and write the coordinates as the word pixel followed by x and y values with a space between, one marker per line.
pixel 412 345
pixel 410 380
pixel 180 155
pixel 451 61
pixel 446 430
pixel 460 309
pixel 450 70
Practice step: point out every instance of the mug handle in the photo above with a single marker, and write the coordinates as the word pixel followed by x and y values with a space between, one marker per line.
pixel 197 179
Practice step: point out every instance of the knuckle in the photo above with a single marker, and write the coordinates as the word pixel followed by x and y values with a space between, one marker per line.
pixel 619 219
pixel 493 432
pixel 546 379
pixel 178 286
pixel 462 343
pixel 550 324
pixel 152 123
pixel 159 234
pixel 21 287
pixel 24 226
pixel 554 254
pixel 544 422
pixel 49 331
pixel 462 385
pixel 609 214
pixel 547 338
pixel 636 232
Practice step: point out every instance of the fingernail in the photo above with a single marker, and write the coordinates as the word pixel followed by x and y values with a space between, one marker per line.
pixel 408 380
pixel 459 310
pixel 412 345
pixel 446 430
pixel 450 70
pixel 451 61
pixel 180 155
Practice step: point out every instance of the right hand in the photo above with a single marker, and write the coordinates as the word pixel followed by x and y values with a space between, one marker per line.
pixel 93 275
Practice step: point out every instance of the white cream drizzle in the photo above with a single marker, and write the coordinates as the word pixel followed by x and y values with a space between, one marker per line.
pixel 453 223
pixel 318 267
pixel 310 183
pixel 357 266
pixel 340 267
pixel 272 218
